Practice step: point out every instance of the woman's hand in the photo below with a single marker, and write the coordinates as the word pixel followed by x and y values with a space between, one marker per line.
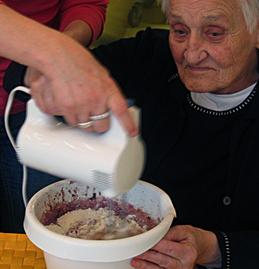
pixel 183 247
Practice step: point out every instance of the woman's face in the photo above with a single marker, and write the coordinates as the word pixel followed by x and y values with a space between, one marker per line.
pixel 212 48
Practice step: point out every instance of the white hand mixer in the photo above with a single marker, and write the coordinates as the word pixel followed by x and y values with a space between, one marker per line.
pixel 111 161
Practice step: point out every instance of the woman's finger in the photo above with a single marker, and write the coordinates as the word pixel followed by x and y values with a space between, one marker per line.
pixel 160 259
pixel 183 252
pixel 142 264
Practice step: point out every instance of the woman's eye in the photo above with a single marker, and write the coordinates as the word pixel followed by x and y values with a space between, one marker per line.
pixel 179 33
pixel 215 34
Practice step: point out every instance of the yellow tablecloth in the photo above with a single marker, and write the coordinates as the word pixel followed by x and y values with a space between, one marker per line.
pixel 18 252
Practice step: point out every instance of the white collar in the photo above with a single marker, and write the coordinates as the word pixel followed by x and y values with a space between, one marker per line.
pixel 221 102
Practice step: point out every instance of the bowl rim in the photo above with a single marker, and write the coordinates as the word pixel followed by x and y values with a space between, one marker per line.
pixel 85 250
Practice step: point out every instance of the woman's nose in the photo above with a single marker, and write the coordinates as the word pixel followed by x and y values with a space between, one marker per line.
pixel 195 51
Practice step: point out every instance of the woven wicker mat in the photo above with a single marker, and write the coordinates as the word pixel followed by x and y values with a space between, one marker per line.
pixel 17 252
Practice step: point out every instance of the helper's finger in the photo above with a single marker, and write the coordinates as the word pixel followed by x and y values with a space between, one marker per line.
pixel 36 92
pixel 100 114
pixel 70 105
pixel 119 107
pixel 101 121
pixel 49 103
pixel 84 122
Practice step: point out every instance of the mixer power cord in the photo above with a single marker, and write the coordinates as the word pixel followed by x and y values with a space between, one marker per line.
pixel 9 134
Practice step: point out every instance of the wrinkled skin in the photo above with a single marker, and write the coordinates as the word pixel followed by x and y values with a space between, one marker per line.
pixel 80 96
pixel 214 52
pixel 211 45
pixel 183 247
pixel 76 86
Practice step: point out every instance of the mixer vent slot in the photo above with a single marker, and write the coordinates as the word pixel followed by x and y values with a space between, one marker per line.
pixel 102 180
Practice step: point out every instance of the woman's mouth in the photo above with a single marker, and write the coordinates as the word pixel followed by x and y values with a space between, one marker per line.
pixel 198 68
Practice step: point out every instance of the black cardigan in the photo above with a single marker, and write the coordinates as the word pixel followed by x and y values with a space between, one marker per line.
pixel 208 163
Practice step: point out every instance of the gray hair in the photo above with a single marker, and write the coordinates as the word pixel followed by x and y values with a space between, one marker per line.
pixel 250 10
pixel 164 5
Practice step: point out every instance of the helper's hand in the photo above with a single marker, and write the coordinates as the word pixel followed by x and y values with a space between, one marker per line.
pixel 77 87
pixel 183 247
pixel 71 81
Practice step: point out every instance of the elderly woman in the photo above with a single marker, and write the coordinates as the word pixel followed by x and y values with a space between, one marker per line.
pixel 200 123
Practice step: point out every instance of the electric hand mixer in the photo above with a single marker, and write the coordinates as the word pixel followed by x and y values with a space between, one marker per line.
pixel 111 161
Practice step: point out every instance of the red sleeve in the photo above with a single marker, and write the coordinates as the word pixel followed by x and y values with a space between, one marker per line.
pixel 90 11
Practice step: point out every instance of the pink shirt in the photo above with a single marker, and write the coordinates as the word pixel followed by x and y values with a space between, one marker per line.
pixel 56 14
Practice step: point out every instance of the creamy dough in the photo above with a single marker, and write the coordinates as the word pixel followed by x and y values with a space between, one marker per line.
pixel 101 224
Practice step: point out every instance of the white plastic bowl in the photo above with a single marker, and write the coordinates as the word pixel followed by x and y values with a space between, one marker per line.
pixel 71 253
